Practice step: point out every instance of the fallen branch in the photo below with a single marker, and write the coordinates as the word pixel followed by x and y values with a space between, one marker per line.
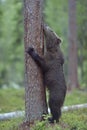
pixel 17 114
pixel 11 115
pixel 74 107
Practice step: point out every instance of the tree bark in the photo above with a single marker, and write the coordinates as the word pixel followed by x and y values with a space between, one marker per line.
pixel 73 59
pixel 35 97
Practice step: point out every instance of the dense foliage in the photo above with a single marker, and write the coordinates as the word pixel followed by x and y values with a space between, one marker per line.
pixel 11 37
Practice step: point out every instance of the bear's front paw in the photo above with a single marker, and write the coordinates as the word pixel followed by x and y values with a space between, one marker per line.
pixel 30 50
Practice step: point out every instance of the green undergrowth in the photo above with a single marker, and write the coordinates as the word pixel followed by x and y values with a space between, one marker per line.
pixel 10 124
pixel 74 120
pixel 12 100
pixel 76 97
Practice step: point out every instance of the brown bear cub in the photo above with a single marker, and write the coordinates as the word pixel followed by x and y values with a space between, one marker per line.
pixel 52 67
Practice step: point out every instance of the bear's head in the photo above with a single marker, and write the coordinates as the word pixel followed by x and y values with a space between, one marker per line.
pixel 52 39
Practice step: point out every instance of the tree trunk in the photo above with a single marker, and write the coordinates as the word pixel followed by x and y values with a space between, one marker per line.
pixel 73 59
pixel 35 97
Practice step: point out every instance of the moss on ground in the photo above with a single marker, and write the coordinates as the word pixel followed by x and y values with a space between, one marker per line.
pixel 12 100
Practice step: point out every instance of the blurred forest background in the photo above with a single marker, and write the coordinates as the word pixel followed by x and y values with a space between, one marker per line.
pixel 56 15
pixel 65 17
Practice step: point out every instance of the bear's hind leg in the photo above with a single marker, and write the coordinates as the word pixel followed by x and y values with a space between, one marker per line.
pixel 55 116
pixel 55 111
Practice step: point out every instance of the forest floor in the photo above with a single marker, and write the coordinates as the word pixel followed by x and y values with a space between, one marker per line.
pixel 13 100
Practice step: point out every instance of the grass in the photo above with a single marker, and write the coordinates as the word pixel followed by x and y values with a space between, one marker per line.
pixel 10 124
pixel 75 120
pixel 12 100
pixel 76 97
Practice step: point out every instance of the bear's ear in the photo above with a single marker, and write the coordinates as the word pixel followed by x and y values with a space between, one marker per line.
pixel 58 40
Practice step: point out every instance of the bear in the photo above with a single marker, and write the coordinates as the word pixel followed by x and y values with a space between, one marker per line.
pixel 51 65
